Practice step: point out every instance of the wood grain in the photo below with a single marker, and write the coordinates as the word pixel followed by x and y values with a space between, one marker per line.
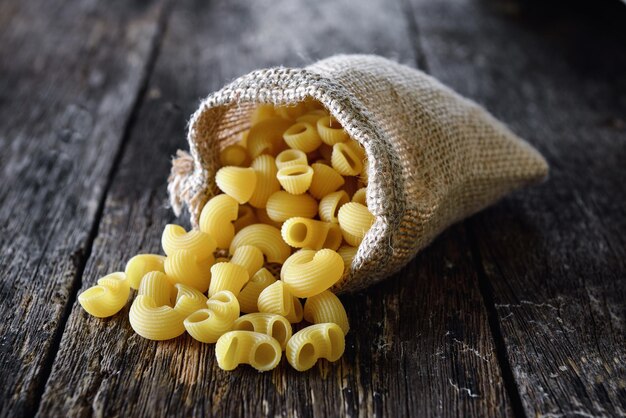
pixel 420 343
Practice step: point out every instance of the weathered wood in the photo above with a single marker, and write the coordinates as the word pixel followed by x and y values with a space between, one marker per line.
pixel 70 73
pixel 553 256
pixel 420 343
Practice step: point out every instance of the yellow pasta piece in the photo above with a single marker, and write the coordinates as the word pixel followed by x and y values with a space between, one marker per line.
pixel 355 220
pixel 264 218
pixel 108 297
pixel 325 180
pixel 216 219
pixel 347 253
pixel 237 182
pixel 139 265
pixel 158 286
pixel 266 137
pixel 360 196
pixel 188 300
pixel 295 179
pixel 330 204
pixel 291 157
pixel 250 293
pixel 184 267
pixel 266 238
pixel 245 347
pixel 357 148
pixel 199 243
pixel 277 299
pixel 235 155
pixel 207 325
pixel 243 139
pixel 308 233
pixel 262 112
pixel 331 131
pixel 265 168
pixel 345 160
pixel 275 326
pixel 245 217
pixel 315 342
pixel 283 205
pixel 302 136
pixel 154 321
pixel 248 257
pixel 312 116
pixel 309 272
pixel 227 276
pixel 291 111
pixel 326 308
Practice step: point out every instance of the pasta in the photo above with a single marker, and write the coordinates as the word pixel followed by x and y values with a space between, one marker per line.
pixel 262 112
pixel 216 219
pixel 357 148
pixel 275 326
pixel 312 117
pixel 188 300
pixel 315 342
pixel 245 217
pixel 308 272
pixel 295 179
pixel 265 168
pixel 218 317
pixel 266 238
pixel 184 267
pixel 355 220
pixel 347 253
pixel 199 243
pixel 291 111
pixel 248 257
pixel 266 137
pixel 308 233
pixel 360 196
pixel 345 160
pixel 246 347
pixel 326 307
pixel 108 297
pixel 277 299
pixel 330 131
pixel 325 180
pixel 250 293
pixel 291 157
pixel 283 205
pixel 330 204
pixel 157 285
pixel 139 265
pixel 261 214
pixel 302 136
pixel 227 276
pixel 237 182
pixel 235 155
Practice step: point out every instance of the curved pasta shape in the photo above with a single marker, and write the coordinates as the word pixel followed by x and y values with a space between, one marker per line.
pixel 283 205
pixel 245 347
pixel 266 137
pixel 326 308
pixel 355 220
pixel 263 218
pixel 225 304
pixel 302 136
pixel 347 253
pixel 266 238
pixel 188 300
pixel 330 204
pixel 308 233
pixel 360 196
pixel 308 272
pixel 158 287
pixel 245 217
pixel 139 265
pixel 265 168
pixel 325 180
pixel 175 238
pixel 334 237
pixel 248 257
pixel 184 267
pixel 154 321
pixel 237 182
pixel 345 160
pixel 277 299
pixel 315 342
pixel 291 111
pixel 291 157
pixel 262 112
pixel 216 219
pixel 275 326
pixel 227 276
pixel 207 325
pixel 295 179
pixel 312 117
pixel 330 130
pixel 234 155
pixel 243 139
pixel 357 148
pixel 250 293
pixel 108 297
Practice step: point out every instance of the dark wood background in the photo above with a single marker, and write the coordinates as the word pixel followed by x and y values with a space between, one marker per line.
pixel 518 311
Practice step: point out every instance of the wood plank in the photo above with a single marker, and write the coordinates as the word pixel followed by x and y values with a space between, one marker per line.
pixel 420 343
pixel 553 256
pixel 70 73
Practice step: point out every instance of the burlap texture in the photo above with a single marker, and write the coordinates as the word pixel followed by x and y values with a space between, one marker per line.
pixel 434 156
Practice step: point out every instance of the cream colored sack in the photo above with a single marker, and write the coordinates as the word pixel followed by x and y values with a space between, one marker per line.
pixel 434 156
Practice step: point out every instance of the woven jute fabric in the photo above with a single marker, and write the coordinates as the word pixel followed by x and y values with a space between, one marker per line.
pixel 434 156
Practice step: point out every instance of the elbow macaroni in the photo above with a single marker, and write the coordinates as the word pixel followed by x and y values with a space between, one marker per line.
pixel 218 317
pixel 267 184
pixel 248 257
pixel 283 205
pixel 108 297
pixel 237 182
pixel 355 220
pixel 266 238
pixel 326 308
pixel 216 219
pixel 227 276
pixel 247 347
pixel 275 326
pixel 175 238
pixel 184 267
pixel 309 233
pixel 315 342
pixel 277 299
pixel 308 272
pixel 140 265
pixel 249 295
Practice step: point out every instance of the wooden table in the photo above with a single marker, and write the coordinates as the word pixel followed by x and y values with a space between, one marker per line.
pixel 518 311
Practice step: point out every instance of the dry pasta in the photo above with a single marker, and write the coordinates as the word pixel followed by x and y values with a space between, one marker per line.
pixel 262 112
pixel 315 342
pixel 108 297
pixel 312 117
pixel 325 180
pixel 308 233
pixel 357 148
pixel 330 204
pixel 302 136
pixel 308 272
pixel 283 205
pixel 295 179
pixel 234 155
pixel 248 257
pixel 216 219
pixel 275 326
pixel 347 253
pixel 184 267
pixel 355 220
pixel 291 111
pixel 218 317
pixel 360 196
pixel 266 137
pixel 250 293
pixel 158 286
pixel 277 299
pixel 237 182
pixel 291 157
pixel 227 276
pixel 266 238
pixel 175 238
pixel 326 307
pixel 345 160
pixel 139 265
pixel 188 300
pixel 265 168
pixel 330 131
pixel 246 347
pixel 245 216
pixel 264 218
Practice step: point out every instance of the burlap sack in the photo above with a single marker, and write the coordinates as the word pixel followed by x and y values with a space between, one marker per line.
pixel 434 156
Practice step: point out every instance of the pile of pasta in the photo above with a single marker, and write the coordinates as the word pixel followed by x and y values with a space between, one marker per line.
pixel 286 227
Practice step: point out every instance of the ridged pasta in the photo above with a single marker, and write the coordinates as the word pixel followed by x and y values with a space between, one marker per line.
pixel 295 179
pixel 265 168
pixel 360 196
pixel 266 137
pixel 154 321
pixel 237 182
pixel 355 220
pixel 264 218
pixel 275 326
pixel 347 253
pixel 175 238
pixel 188 300
pixel 302 136
pixel 312 117
pixel 266 238
pixel 357 148
pixel 184 267
pixel 277 299
pixel 331 131
pixel 235 155
pixel 315 342
pixel 216 219
pixel 308 272
pixel 218 317
pixel 325 180
pixel 308 233
pixel 227 276
pixel 249 295
pixel 326 308
pixel 345 160
pixel 243 139
pixel 139 265
pixel 108 297
pixel 283 205
pixel 159 287
pixel 330 204
pixel 291 157
pixel 245 216
pixel 262 112
pixel 248 257
pixel 246 347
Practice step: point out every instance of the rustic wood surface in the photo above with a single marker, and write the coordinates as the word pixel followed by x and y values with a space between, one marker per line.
pixel 518 311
